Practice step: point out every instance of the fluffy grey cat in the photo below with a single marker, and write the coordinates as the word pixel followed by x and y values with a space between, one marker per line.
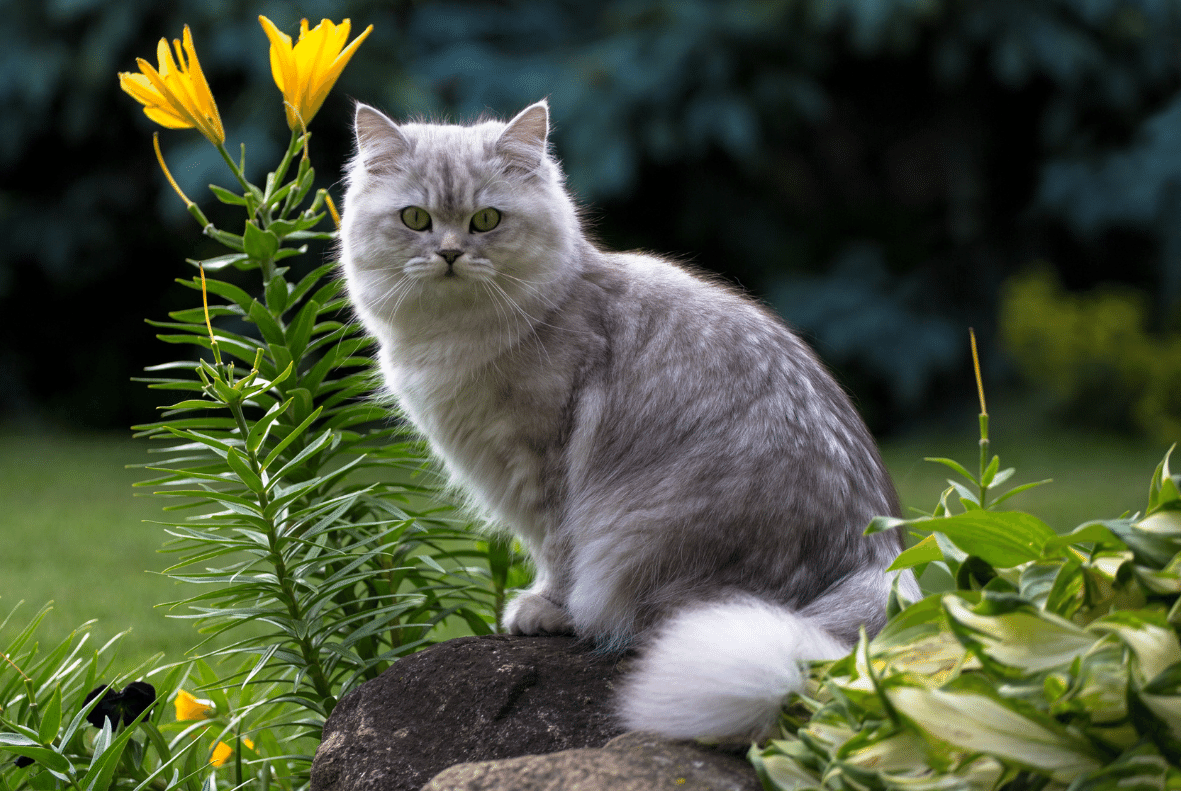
pixel 685 475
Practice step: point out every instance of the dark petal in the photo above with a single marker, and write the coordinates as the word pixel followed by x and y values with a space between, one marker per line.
pixel 105 708
pixel 138 696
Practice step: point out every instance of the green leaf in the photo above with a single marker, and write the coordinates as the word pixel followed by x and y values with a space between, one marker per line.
pixel 1002 539
pixel 300 330
pixel 982 723
pixel 51 719
pixel 259 244
pixel 1163 489
pixel 292 436
pixel 262 426
pixel 242 469
pixel 1139 769
pixel 990 472
pixel 1149 635
pixel 954 465
pixel 217 263
pixel 271 331
pixel 1025 487
pixel 1006 630
pixel 227 197
pixel 52 760
pixel 276 295
pixel 924 551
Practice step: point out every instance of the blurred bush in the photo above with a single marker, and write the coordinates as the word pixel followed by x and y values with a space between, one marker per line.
pixel 1093 353
pixel 874 168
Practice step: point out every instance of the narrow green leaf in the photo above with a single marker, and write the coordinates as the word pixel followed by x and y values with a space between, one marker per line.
pixel 241 468
pixel 51 719
pixel 295 434
pixel 271 331
pixel 227 197
pixel 954 465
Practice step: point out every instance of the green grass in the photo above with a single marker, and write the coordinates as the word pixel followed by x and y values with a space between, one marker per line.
pixel 73 532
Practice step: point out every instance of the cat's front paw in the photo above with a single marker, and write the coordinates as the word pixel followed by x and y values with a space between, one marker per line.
pixel 532 613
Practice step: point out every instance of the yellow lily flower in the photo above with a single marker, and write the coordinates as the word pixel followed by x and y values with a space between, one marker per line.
pixel 176 95
pixel 306 71
pixel 221 754
pixel 189 707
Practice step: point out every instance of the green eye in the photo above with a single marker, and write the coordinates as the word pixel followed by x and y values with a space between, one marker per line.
pixel 416 218
pixel 485 220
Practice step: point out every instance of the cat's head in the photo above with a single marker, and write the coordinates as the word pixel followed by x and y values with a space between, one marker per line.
pixel 443 220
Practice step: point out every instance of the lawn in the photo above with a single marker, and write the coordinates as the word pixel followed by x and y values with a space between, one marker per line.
pixel 75 533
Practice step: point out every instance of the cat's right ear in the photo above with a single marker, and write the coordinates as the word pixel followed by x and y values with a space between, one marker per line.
pixel 381 146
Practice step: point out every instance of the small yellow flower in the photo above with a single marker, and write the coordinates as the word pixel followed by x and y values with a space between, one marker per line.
pixel 176 96
pixel 189 707
pixel 221 754
pixel 306 72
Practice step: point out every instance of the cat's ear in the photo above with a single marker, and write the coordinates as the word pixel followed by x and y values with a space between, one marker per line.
pixel 381 146
pixel 522 142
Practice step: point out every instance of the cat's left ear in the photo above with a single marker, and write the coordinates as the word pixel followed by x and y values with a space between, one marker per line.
pixel 523 140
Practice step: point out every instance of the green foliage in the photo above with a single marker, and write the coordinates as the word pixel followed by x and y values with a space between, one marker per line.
pixel 309 515
pixel 947 139
pixel 1054 661
pixel 1094 353
pixel 44 721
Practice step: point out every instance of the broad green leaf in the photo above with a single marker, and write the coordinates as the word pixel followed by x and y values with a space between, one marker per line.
pixel 1149 635
pixel 779 771
pixel 1138 769
pixel 1002 539
pixel 259 244
pixel 979 723
pixel 1020 636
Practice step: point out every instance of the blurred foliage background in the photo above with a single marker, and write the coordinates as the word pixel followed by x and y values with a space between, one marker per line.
pixel 885 173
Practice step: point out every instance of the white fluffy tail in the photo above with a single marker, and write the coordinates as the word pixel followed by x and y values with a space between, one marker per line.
pixel 722 670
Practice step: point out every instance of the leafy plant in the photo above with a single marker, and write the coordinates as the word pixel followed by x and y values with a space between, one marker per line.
pixel 1054 662
pixel 309 515
pixel 1093 352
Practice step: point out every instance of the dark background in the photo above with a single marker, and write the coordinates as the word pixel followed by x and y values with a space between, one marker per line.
pixel 875 169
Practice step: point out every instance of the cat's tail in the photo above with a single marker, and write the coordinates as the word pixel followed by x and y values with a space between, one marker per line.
pixel 722 670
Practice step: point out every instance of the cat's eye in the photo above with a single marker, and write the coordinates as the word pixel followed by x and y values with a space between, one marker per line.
pixel 416 218
pixel 485 220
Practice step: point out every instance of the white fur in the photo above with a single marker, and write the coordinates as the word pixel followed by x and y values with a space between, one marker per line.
pixel 722 670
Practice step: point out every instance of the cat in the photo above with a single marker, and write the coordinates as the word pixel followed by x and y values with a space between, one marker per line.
pixel 684 473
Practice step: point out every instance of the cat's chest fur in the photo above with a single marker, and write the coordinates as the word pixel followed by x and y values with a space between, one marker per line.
pixel 499 426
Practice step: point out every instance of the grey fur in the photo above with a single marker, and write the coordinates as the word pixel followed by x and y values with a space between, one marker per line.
pixel 654 438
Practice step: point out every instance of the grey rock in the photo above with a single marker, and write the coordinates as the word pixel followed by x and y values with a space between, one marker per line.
pixel 468 699
pixel 632 762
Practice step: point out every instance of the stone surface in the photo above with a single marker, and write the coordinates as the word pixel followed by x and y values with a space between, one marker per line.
pixel 632 762
pixel 468 699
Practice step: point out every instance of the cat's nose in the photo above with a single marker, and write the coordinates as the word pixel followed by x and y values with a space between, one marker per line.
pixel 449 255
